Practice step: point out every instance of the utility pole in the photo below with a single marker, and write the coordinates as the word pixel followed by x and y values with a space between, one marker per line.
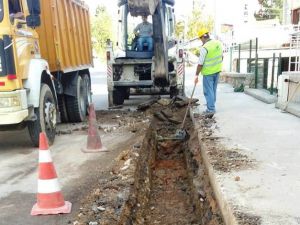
pixel 215 17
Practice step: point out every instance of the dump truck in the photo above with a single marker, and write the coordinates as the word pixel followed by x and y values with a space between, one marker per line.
pixel 160 70
pixel 46 53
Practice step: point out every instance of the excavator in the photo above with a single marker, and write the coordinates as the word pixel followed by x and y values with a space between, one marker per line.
pixel 157 71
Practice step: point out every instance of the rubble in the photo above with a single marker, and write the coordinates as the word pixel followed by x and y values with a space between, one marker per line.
pixel 149 183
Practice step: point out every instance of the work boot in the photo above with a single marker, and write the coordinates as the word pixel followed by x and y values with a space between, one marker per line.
pixel 208 114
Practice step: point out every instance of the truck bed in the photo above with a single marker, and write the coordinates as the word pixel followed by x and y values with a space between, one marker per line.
pixel 65 39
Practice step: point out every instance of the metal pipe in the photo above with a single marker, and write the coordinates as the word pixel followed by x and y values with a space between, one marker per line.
pixel 256 46
pixel 273 72
pixel 297 52
pixel 279 67
pixel 256 62
pixel 256 70
pixel 230 66
pixel 290 56
pixel 250 57
pixel 239 60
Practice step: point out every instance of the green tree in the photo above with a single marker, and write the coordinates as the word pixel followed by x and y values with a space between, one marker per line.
pixel 101 29
pixel 179 29
pixel 193 23
pixel 198 21
pixel 271 9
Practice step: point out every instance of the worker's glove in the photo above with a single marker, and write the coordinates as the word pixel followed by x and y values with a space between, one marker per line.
pixel 196 79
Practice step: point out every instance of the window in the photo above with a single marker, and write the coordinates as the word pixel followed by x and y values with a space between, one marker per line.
pixel 1 10
pixel 122 15
pixel 2 64
pixel 296 16
pixel 15 10
pixel 170 21
pixel 14 6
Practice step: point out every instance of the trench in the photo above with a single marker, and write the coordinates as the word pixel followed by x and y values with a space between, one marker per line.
pixel 171 183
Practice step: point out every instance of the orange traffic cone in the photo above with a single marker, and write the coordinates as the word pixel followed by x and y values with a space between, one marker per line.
pixel 49 197
pixel 94 143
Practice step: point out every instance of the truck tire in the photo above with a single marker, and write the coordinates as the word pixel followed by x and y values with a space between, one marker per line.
pixel 110 99
pixel 87 83
pixel 77 105
pixel 118 96
pixel 62 108
pixel 46 117
pixel 173 92
pixel 127 93
pixel 181 91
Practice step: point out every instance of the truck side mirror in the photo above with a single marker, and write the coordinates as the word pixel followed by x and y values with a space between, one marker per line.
pixel 33 21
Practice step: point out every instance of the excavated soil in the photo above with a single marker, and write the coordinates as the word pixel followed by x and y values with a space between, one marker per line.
pixel 158 180
pixel 222 158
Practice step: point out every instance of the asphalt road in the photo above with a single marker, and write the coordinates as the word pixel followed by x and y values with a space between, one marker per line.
pixel 18 160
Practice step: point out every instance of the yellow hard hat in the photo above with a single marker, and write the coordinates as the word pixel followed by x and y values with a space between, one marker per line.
pixel 202 31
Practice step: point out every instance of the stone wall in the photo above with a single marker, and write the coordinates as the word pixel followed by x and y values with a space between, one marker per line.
pixel 236 79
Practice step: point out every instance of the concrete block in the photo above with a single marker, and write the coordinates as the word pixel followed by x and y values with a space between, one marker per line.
pixel 261 95
pixel 292 108
pixel 237 79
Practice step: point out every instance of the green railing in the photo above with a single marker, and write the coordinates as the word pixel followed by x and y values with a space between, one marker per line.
pixel 259 66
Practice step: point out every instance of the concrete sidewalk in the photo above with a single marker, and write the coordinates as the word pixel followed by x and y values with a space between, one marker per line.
pixel 268 190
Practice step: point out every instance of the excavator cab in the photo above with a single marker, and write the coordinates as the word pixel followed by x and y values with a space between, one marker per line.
pixel 130 13
pixel 136 68
pixel 128 41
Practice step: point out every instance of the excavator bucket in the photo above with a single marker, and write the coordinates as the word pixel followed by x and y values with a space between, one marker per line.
pixel 142 7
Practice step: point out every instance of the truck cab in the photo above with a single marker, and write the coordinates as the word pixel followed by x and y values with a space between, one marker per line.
pixel 44 61
pixel 140 70
pixel 19 47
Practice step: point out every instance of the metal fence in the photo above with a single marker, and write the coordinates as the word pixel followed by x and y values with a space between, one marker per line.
pixel 265 69
pixel 294 59
pixel 268 63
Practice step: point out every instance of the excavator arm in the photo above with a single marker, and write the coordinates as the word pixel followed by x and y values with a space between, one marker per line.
pixel 160 47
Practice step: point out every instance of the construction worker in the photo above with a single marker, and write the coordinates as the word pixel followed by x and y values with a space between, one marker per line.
pixel 144 32
pixel 210 66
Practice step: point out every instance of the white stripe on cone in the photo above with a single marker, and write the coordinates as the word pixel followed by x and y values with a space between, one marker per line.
pixel 45 156
pixel 48 186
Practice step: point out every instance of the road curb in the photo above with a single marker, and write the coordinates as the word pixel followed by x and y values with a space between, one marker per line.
pixel 225 208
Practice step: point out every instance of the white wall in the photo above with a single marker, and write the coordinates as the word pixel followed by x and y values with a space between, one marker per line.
pixel 295 4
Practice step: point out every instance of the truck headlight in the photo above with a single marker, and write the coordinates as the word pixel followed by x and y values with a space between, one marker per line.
pixel 7 102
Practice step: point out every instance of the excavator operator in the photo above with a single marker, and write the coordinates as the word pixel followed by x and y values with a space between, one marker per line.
pixel 144 32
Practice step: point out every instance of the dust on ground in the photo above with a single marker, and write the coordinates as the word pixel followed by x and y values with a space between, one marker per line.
pixel 110 121
pixel 247 219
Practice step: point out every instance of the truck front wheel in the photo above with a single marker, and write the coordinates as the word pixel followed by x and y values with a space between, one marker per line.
pixel 62 108
pixel 46 117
